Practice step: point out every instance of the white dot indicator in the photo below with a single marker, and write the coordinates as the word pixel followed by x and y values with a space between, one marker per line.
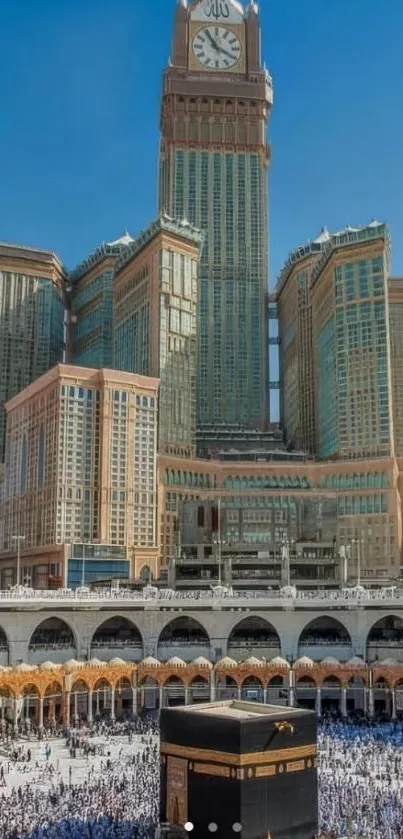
pixel 213 827
pixel 189 827
pixel 237 827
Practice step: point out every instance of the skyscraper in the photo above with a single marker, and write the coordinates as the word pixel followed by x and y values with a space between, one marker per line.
pixel 155 295
pixel 80 468
pixel 335 351
pixel 90 310
pixel 214 160
pixel 31 320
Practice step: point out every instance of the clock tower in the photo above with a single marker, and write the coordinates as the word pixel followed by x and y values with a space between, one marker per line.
pixel 214 161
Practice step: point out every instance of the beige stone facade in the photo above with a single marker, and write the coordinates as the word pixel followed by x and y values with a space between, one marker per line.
pixel 366 495
pixel 155 304
pixel 80 468
pixel 32 287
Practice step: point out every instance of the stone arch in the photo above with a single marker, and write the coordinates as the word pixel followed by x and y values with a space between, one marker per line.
pixel 53 702
pixel 277 690
pixel 174 691
pixel 199 689
pixel 79 700
pixel 305 691
pixel 185 637
pixel 355 696
pixel 253 635
pixel 54 639
pixel 149 693
pixel 30 696
pixel 325 636
pixel 145 574
pixel 117 636
pixel 101 698
pixel 123 697
pixel 227 688
pixel 331 694
pixel 385 639
pixel 252 689
pixel 7 700
pixel 382 697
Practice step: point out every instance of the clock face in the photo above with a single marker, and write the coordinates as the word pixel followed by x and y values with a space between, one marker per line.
pixel 216 47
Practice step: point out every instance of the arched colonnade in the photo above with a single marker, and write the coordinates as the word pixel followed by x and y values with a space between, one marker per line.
pixel 81 691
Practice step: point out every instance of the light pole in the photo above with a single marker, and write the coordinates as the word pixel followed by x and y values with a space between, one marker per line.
pixel 344 551
pixel 219 542
pixel 285 556
pixel 18 539
pixel 358 543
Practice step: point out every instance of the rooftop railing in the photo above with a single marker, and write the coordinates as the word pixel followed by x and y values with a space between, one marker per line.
pixel 357 594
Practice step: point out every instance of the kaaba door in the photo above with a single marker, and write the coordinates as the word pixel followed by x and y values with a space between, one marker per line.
pixel 177 790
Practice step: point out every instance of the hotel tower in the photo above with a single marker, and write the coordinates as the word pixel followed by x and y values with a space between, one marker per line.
pixel 214 160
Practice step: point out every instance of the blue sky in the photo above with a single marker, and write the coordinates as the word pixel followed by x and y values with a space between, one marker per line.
pixel 80 91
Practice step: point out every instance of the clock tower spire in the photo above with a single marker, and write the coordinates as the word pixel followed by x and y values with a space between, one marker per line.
pixel 214 161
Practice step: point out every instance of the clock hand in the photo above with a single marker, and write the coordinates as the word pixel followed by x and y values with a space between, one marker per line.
pixel 225 52
pixel 212 41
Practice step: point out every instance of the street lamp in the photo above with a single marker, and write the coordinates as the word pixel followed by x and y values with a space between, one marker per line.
pixel 345 556
pixel 285 556
pixel 18 539
pixel 358 542
pixel 219 542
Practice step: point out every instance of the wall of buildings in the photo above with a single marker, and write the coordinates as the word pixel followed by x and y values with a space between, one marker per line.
pixel 31 320
pixel 80 467
pixel 213 171
pixel 336 363
pixel 134 626
pixel 90 306
pixel 365 493
pixel 155 304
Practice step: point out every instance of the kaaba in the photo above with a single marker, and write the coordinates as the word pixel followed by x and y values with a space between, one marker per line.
pixel 240 769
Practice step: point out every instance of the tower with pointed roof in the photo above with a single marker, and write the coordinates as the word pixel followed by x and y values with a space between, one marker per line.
pixel 214 161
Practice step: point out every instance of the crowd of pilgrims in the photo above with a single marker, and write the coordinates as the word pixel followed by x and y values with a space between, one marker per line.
pixel 360 780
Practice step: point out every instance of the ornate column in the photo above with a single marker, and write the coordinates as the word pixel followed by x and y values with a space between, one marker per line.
pixel 318 702
pixel 90 695
pixel 370 697
pixel 187 695
pixel 212 686
pixel 67 709
pixel 344 702
pixel 265 695
pixel 161 696
pixel 134 708
pixel 291 688
pixel 41 712
pixel 393 704
pixel 112 703
pixel 15 711
pixel 239 692
pixel 75 706
pixel 97 701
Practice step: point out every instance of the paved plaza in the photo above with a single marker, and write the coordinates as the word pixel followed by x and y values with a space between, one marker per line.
pixel 42 772
pixel 110 788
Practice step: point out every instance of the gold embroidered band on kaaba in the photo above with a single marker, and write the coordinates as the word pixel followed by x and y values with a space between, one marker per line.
pixel 230 759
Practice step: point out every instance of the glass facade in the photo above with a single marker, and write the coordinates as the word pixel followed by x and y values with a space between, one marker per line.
pixel 90 571
pixel 31 333
pixel 155 328
pixel 91 329
pixel 225 194
pixel 396 350
pixel 327 394
pixel 362 358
